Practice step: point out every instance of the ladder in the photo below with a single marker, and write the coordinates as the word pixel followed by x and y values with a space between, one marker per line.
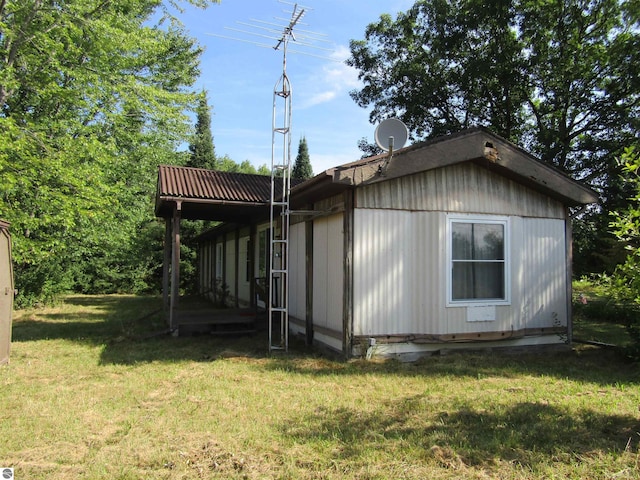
pixel 279 202
pixel 279 217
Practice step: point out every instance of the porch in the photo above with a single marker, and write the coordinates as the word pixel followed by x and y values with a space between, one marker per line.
pixel 197 316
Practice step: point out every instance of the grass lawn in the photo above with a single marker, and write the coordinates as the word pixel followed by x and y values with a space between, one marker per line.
pixel 84 397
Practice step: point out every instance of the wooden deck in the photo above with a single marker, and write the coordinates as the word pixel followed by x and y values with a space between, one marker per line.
pixel 196 317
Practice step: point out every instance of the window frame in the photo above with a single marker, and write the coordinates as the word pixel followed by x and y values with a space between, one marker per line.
pixel 487 220
pixel 219 260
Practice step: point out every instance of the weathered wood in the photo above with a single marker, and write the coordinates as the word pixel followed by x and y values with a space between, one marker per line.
pixel 236 287
pixel 175 268
pixel 568 238
pixel 308 258
pixel 347 299
pixel 462 337
pixel 166 263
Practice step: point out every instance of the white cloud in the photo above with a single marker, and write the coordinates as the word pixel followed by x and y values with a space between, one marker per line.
pixel 318 98
pixel 330 81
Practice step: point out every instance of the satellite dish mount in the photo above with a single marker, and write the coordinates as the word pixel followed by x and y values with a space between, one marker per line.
pixel 390 133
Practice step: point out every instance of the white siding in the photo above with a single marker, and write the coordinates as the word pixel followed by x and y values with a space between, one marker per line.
pixel 328 272
pixel 297 275
pixel 465 188
pixel 544 292
pixel 400 273
pixel 398 259
pixel 230 266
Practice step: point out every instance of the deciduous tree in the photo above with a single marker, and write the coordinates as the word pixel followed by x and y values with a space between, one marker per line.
pixel 93 96
pixel 561 79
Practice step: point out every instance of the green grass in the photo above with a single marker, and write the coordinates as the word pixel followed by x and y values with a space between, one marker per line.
pixel 599 319
pixel 86 397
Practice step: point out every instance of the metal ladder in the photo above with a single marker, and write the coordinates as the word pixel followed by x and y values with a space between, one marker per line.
pixel 279 218
pixel 279 203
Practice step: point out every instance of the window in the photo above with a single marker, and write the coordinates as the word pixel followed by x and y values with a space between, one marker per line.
pixel 219 260
pixel 477 251
pixel 248 272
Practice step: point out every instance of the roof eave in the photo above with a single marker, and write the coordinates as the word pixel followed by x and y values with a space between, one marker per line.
pixel 478 145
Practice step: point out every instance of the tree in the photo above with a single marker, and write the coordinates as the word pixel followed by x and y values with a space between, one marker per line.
pixel 625 282
pixel 201 147
pixel 561 78
pixel 93 96
pixel 302 166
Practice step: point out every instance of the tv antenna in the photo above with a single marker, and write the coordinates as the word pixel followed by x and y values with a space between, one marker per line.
pixel 263 33
pixel 281 32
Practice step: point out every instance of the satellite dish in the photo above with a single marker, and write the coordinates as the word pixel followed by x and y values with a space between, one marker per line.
pixel 391 134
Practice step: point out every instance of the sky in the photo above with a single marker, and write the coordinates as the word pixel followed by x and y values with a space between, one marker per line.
pixel 240 77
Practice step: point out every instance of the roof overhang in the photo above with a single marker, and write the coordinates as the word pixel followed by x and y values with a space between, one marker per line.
pixel 244 199
pixel 211 209
pixel 202 194
pixel 479 146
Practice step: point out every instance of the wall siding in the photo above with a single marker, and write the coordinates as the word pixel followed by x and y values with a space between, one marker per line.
pixel 400 270
pixel 328 272
pixel 297 275
pixel 397 264
pixel 465 188
pixel 230 265
pixel 544 289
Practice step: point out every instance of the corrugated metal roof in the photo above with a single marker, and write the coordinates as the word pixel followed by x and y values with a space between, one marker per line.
pixel 200 183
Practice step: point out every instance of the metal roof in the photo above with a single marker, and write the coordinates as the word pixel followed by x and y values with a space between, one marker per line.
pixel 243 198
pixel 213 195
pixel 187 182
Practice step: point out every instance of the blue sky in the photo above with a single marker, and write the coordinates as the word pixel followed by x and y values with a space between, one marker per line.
pixel 240 77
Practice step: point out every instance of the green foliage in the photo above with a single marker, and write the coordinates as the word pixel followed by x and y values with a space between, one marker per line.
pixel 201 147
pixel 368 149
pixel 302 166
pixel 560 78
pixel 93 97
pixel 626 225
pixel 227 164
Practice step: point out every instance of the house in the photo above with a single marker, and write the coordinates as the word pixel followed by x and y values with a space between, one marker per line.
pixel 461 241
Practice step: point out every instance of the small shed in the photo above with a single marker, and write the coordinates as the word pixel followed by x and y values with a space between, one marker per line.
pixel 459 242
pixel 6 292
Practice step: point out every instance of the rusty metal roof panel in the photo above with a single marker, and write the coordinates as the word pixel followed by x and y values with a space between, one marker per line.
pixel 200 183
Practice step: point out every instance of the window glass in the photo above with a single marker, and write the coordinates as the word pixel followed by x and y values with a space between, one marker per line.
pixel 478 261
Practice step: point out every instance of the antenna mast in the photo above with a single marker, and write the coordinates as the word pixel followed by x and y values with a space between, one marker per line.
pixel 280 191
pixel 278 277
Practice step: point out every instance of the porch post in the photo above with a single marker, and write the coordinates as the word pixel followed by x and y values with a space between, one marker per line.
pixel 237 267
pixel 175 269
pixel 165 264
pixel 347 299
pixel 308 259
pixel 252 265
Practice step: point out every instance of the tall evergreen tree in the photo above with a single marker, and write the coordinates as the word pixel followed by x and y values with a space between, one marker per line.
pixel 302 167
pixel 201 147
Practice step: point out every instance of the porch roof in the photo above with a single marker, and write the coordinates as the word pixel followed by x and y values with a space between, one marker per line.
pixel 212 195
